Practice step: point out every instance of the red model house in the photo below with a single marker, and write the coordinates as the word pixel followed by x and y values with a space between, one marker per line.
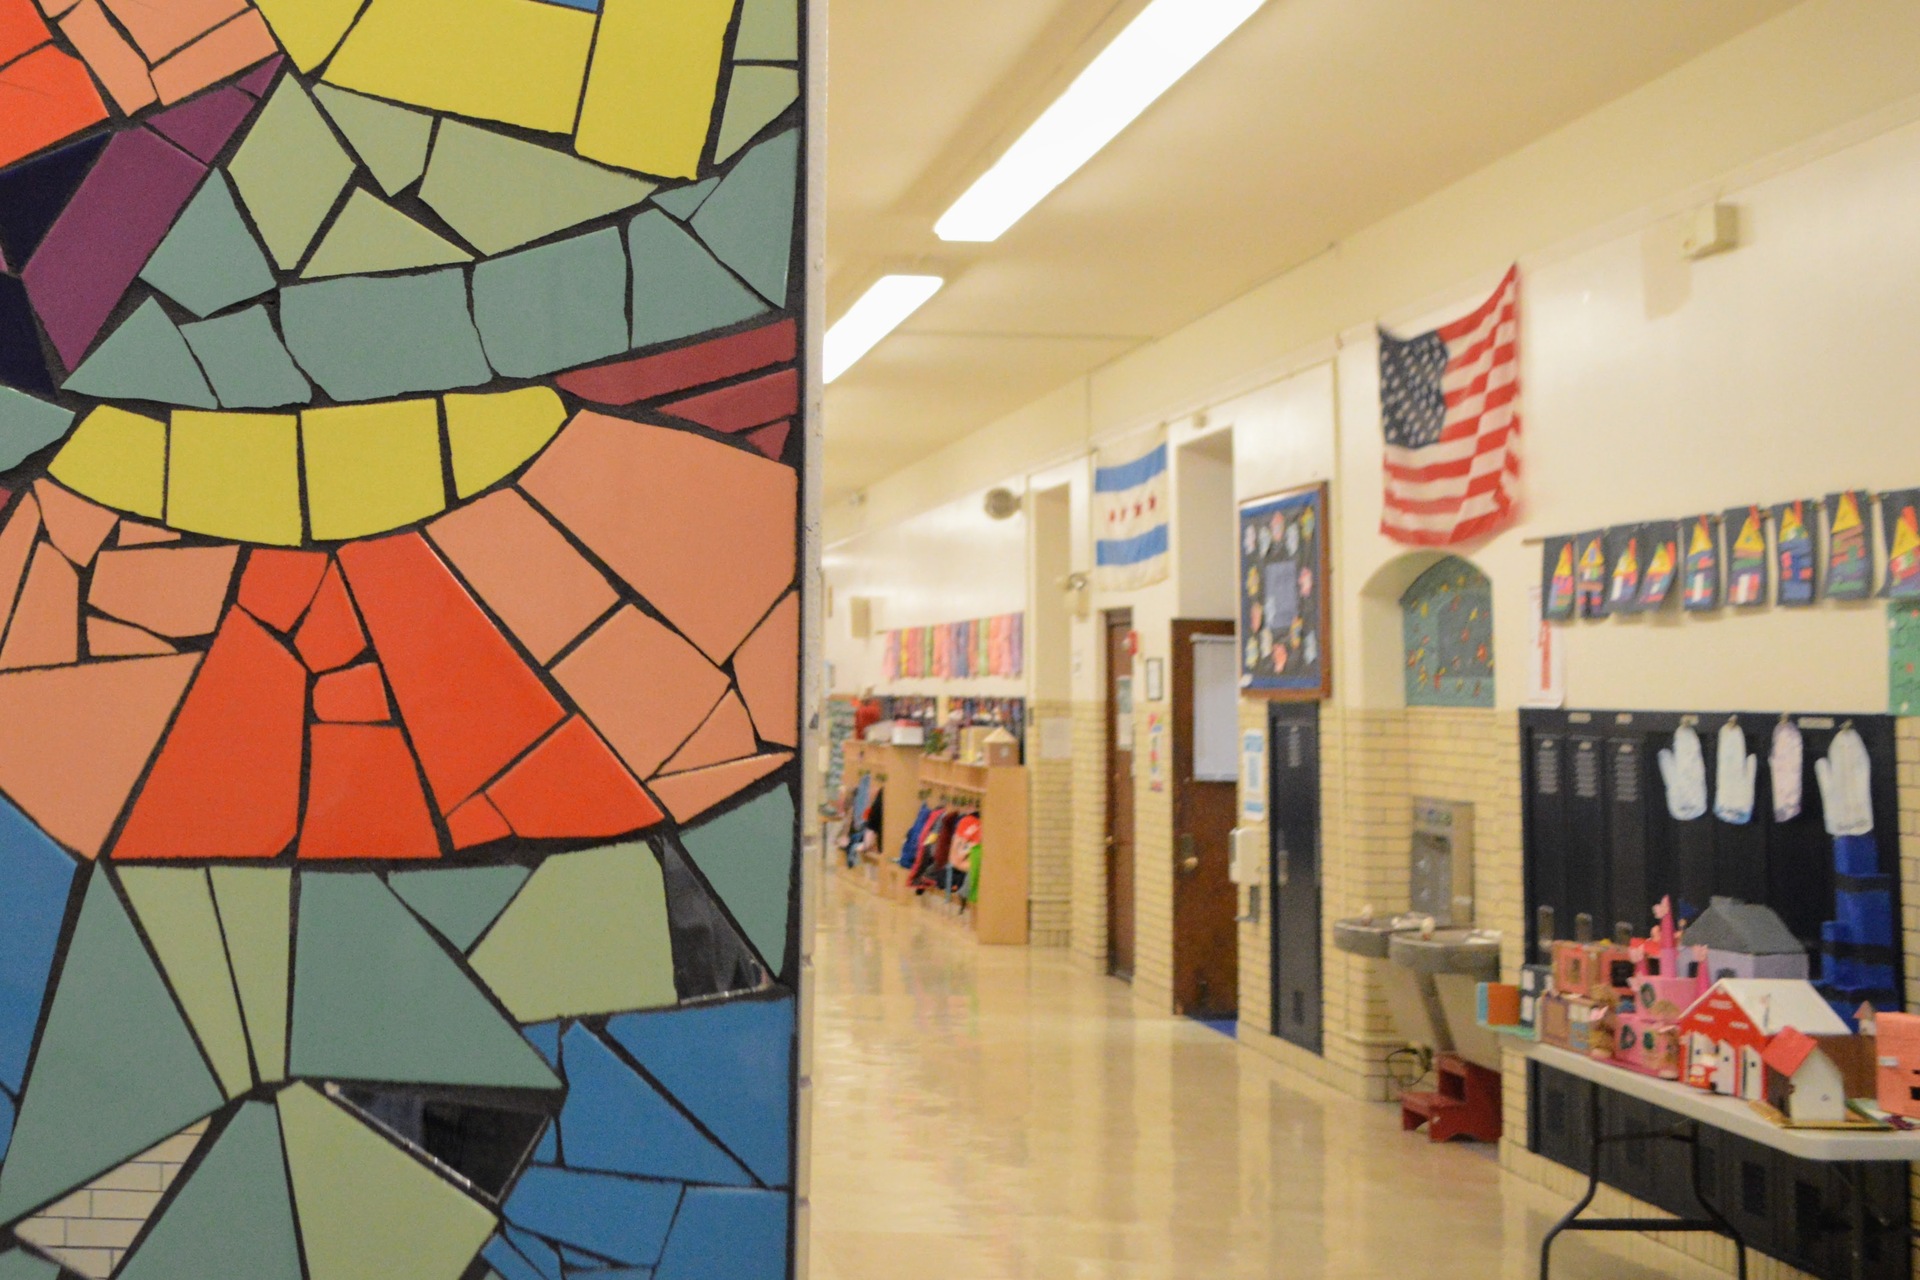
pixel 1725 1033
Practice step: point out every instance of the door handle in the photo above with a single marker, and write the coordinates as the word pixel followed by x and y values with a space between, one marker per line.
pixel 1189 858
pixel 1283 864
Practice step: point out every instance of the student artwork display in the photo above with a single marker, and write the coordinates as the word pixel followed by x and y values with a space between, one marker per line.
pixel 956 650
pixel 1590 574
pixel 1702 591
pixel 1793 553
pixel 1901 527
pixel 1746 557
pixel 1557 580
pixel 1624 568
pixel 1447 629
pixel 1849 555
pixel 1786 766
pixel 1284 611
pixel 1660 542
pixel 400 534
pixel 1633 568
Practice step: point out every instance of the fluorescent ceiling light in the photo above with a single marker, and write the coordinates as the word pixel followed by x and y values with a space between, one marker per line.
pixel 1166 41
pixel 880 311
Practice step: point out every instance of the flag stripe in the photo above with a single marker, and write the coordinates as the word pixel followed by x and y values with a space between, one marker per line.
pixel 1145 546
pixel 1131 533
pixel 1451 462
pixel 1130 475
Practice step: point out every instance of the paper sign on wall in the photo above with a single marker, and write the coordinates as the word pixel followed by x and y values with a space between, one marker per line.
pixel 1546 657
pixel 1156 751
pixel 1253 776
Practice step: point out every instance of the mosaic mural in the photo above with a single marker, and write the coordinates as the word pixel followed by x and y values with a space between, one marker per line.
pixel 399 638
pixel 1446 622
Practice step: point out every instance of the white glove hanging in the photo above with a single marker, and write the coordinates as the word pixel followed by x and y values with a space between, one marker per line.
pixel 1846 785
pixel 1787 766
pixel 1685 770
pixel 1733 777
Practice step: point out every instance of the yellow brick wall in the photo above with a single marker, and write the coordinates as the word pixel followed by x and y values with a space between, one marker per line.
pixel 1089 848
pixel 1049 835
pixel 1152 865
pixel 1364 829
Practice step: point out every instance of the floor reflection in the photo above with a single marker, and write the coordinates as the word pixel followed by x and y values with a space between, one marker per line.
pixel 1000 1114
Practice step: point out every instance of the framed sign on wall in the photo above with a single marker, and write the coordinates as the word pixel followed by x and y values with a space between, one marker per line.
pixel 1285 616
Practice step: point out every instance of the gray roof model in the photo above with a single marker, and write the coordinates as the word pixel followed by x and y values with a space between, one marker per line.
pixel 1729 924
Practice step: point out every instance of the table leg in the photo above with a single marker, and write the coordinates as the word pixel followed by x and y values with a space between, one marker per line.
pixel 1714 1221
pixel 1593 1184
pixel 1707 1207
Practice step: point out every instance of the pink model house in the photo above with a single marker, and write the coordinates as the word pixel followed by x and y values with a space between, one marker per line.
pixel 1668 978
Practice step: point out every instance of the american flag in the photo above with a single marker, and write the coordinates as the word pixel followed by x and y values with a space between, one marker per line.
pixel 1450 406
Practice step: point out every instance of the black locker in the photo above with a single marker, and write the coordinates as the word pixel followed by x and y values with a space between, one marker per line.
pixel 1546 818
pixel 1627 834
pixel 1586 833
pixel 1293 808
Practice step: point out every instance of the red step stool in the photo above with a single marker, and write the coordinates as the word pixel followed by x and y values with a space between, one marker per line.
pixel 1466 1105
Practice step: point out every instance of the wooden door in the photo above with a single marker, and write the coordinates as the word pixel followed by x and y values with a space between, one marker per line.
pixel 1206 940
pixel 1119 794
pixel 1293 810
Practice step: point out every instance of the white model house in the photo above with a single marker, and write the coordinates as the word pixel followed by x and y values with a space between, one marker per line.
pixel 1810 1078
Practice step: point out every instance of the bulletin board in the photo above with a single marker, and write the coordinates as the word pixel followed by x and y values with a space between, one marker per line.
pixel 1286 649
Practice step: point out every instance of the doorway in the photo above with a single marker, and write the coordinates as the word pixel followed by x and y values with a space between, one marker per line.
pixel 1293 808
pixel 1119 667
pixel 1206 939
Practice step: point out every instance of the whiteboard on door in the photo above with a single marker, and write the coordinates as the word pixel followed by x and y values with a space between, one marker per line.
pixel 1216 709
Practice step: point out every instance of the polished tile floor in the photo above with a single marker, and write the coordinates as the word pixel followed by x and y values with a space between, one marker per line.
pixel 1000 1114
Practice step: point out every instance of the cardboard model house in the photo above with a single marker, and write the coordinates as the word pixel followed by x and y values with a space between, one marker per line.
pixel 1746 940
pixel 1725 1033
pixel 1897 1042
pixel 1810 1078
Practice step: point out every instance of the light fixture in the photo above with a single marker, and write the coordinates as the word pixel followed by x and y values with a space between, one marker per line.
pixel 1166 41
pixel 880 311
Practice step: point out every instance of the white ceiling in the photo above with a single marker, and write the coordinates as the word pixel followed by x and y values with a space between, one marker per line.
pixel 1316 119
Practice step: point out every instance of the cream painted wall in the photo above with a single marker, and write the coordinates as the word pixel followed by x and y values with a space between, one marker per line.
pixel 1653 388
pixel 948 564
pixel 1205 564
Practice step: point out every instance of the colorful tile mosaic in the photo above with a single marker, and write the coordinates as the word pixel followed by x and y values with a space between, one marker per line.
pixel 400 634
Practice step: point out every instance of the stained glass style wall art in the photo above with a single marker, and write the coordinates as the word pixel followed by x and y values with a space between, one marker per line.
pixel 399 637
pixel 1447 625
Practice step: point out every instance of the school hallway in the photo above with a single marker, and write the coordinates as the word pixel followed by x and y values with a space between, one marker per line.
pixel 1004 1112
